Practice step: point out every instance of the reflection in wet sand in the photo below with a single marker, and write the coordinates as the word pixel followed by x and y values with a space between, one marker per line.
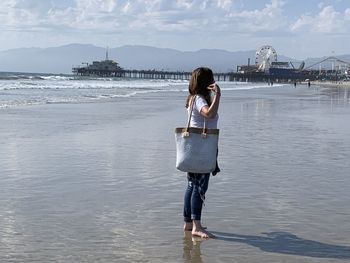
pixel 97 183
pixel 337 95
pixel 192 248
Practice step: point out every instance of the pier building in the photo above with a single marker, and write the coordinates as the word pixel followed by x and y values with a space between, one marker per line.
pixel 265 69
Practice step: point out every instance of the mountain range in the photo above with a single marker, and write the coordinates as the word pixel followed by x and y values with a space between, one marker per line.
pixel 61 59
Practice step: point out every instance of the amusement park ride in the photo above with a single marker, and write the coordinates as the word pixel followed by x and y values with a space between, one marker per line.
pixel 265 57
pixel 266 68
pixel 266 63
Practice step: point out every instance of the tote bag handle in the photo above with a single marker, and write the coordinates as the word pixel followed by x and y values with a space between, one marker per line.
pixel 186 133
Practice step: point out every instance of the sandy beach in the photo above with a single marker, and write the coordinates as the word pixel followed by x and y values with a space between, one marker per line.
pixel 96 182
pixel 332 84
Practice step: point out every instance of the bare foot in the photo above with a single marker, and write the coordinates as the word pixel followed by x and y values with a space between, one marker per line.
pixel 188 226
pixel 201 232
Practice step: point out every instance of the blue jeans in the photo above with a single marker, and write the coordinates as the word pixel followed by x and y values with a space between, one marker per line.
pixel 195 195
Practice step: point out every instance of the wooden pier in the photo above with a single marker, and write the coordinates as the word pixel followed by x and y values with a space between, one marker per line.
pixel 109 68
pixel 244 73
pixel 145 74
pixel 271 78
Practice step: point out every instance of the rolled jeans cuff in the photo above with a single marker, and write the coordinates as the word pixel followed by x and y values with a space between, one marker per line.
pixel 187 220
pixel 196 217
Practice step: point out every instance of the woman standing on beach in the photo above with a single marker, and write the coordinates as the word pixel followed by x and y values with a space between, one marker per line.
pixel 205 96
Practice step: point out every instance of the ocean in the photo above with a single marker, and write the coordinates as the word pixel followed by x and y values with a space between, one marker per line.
pixel 87 172
pixel 20 89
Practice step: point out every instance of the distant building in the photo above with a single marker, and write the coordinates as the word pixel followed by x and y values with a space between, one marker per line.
pixel 104 68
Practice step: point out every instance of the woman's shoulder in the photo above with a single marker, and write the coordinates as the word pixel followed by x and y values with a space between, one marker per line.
pixel 196 97
pixel 200 102
pixel 200 98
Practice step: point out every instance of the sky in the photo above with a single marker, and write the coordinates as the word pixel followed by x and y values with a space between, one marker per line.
pixel 296 28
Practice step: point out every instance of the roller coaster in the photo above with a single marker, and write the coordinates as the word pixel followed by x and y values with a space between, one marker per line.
pixel 265 69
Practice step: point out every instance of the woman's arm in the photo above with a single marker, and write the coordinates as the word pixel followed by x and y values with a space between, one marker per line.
pixel 210 112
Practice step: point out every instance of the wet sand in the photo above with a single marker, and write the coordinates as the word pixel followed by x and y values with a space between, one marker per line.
pixel 96 182
pixel 332 84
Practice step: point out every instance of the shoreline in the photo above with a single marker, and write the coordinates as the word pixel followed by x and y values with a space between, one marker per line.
pixel 335 84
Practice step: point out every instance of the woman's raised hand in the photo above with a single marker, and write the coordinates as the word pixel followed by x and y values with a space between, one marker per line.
pixel 215 88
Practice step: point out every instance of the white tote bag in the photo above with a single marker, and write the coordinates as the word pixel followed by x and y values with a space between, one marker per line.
pixel 196 148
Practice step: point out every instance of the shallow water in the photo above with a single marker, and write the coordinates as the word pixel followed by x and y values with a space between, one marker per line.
pixel 95 182
pixel 21 89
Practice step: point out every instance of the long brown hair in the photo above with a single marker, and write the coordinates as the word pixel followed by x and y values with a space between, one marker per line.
pixel 200 80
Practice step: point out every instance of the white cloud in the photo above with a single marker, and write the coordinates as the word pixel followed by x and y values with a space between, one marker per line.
pixel 328 20
pixel 268 19
pixel 157 15
pixel 126 8
pixel 184 24
pixel 321 5
pixel 347 14
pixel 225 4
pixel 214 16
pixel 23 15
pixel 96 5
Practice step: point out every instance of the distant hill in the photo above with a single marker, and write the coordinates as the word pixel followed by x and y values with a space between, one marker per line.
pixel 62 59
pixel 48 60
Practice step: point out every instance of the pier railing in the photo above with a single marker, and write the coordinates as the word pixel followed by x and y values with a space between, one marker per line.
pixel 144 74
pixel 184 75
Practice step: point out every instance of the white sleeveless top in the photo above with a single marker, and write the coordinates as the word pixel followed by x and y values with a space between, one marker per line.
pixel 197 119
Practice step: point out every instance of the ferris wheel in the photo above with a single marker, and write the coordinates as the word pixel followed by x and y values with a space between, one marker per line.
pixel 264 56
